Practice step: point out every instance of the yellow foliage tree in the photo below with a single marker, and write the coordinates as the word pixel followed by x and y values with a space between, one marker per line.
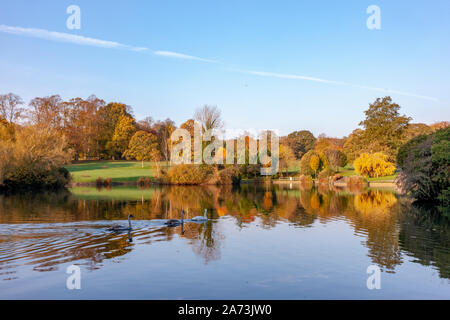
pixel 314 163
pixel 123 133
pixel 374 165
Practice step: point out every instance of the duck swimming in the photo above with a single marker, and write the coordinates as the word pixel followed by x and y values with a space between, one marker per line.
pixel 118 227
pixel 175 222
pixel 200 218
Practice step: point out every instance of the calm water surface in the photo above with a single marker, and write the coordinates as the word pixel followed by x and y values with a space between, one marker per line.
pixel 261 242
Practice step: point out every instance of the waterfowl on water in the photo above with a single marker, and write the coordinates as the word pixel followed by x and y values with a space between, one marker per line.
pixel 201 218
pixel 118 227
pixel 175 222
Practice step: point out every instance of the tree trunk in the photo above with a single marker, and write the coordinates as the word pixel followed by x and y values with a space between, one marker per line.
pixel 142 164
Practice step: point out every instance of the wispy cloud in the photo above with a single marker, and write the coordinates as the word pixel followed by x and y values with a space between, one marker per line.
pixel 307 78
pixel 180 56
pixel 86 41
pixel 292 76
pixel 66 37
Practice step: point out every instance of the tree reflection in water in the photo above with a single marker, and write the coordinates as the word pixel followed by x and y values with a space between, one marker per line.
pixel 45 230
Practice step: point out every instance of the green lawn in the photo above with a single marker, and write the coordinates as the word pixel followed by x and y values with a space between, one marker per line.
pixel 346 172
pixel 118 171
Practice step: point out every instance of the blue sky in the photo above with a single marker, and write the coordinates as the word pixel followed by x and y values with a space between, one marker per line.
pixel 253 59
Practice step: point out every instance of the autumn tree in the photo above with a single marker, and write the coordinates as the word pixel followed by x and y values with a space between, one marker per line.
pixel 336 158
pixel 416 129
pixel 300 142
pixel 384 127
pixel 83 126
pixel 439 125
pixel 47 111
pixel 164 130
pixel 123 133
pixel 147 125
pixel 314 163
pixel 305 167
pixel 286 157
pixel 209 118
pixel 10 109
pixel 109 117
pixel 143 146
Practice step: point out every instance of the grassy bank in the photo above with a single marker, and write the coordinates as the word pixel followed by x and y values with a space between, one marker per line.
pixel 131 171
pixel 118 171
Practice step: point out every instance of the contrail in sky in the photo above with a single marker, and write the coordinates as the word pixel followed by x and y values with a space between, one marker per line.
pixel 82 40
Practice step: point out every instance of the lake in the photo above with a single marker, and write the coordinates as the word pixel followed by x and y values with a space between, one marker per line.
pixel 261 241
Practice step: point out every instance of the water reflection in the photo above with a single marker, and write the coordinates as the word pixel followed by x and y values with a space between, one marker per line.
pixel 49 229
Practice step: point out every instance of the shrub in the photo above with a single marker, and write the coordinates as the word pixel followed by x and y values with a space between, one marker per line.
pixel 230 175
pixel 374 165
pixel 188 174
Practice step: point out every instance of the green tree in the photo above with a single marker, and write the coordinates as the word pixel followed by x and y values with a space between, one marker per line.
pixel 300 142
pixel 425 163
pixel 384 127
pixel 143 146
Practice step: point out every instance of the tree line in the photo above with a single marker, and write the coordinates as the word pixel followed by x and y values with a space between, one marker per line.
pixel 92 129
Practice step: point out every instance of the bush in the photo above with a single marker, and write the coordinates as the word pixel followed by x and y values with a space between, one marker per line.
pixel 374 165
pixel 425 164
pixel 230 175
pixel 188 174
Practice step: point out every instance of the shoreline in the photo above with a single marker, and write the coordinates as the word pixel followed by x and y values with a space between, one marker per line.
pixel 372 184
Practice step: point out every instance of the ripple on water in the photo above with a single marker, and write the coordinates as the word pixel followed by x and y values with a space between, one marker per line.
pixel 45 246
